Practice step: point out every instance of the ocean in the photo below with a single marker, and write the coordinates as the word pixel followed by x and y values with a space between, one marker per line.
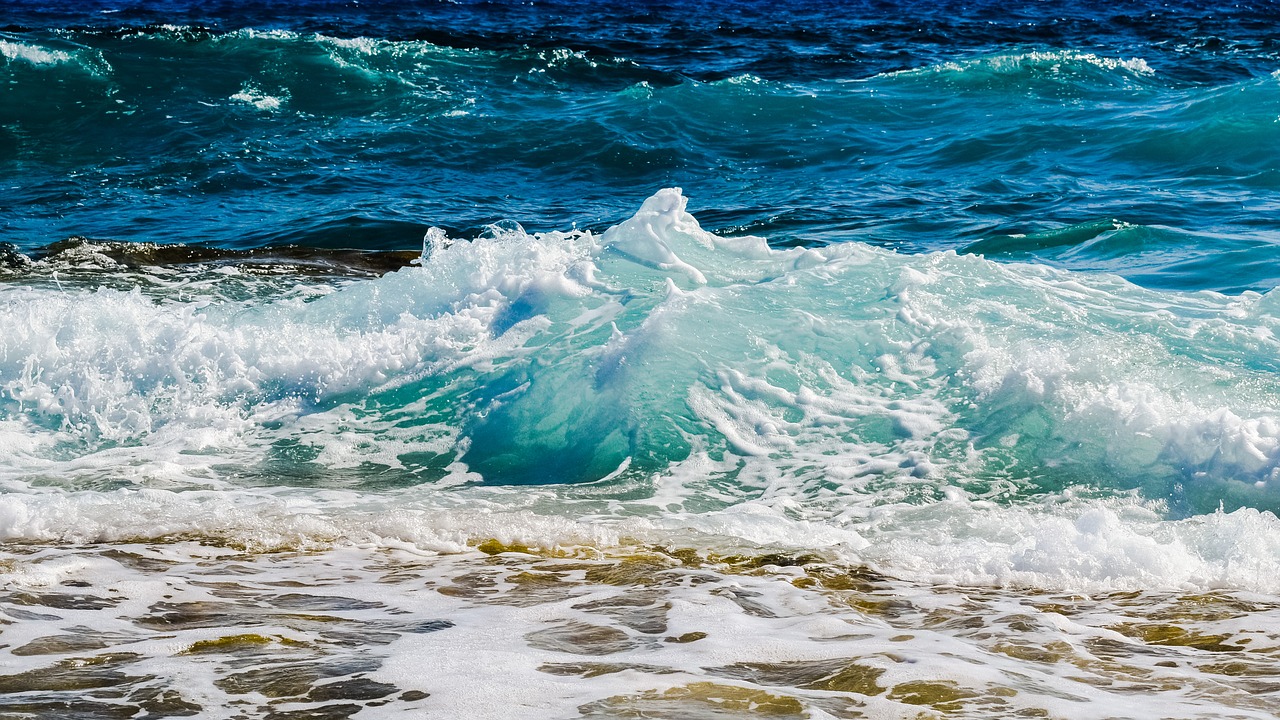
pixel 554 359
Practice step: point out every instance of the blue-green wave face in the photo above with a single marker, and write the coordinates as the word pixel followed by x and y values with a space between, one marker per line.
pixel 836 377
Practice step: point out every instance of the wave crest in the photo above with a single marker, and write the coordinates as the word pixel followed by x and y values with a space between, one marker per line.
pixel 1055 67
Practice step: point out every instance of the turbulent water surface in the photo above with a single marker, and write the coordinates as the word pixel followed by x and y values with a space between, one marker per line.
pixel 685 360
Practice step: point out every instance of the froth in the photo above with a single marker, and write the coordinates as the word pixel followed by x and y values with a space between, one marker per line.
pixel 1091 546
pixel 40 59
pixel 805 398
pixel 33 54
pixel 252 95
pixel 273 521
pixel 1087 546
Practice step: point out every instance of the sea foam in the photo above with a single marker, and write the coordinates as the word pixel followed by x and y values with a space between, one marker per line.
pixel 852 396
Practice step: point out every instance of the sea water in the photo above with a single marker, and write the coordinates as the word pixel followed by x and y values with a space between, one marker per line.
pixel 684 360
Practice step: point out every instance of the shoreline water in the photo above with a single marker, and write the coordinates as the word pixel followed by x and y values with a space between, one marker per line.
pixel 181 630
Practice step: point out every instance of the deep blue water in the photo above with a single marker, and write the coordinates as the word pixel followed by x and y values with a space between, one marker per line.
pixel 1141 139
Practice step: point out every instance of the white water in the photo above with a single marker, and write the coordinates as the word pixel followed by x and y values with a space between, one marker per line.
pixel 941 418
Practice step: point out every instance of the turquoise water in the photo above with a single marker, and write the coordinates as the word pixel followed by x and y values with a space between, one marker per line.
pixel 775 323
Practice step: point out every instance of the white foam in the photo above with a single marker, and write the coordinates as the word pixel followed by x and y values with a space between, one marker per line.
pixel 250 94
pixel 283 520
pixel 559 637
pixel 33 54
pixel 916 412
pixel 1092 547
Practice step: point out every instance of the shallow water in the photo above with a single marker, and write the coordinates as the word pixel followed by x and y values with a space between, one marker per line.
pixel 369 363
pixel 178 629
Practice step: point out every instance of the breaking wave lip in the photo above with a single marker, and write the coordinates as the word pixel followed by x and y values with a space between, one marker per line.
pixel 1046 64
pixel 510 283
pixel 33 54
pixel 44 58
